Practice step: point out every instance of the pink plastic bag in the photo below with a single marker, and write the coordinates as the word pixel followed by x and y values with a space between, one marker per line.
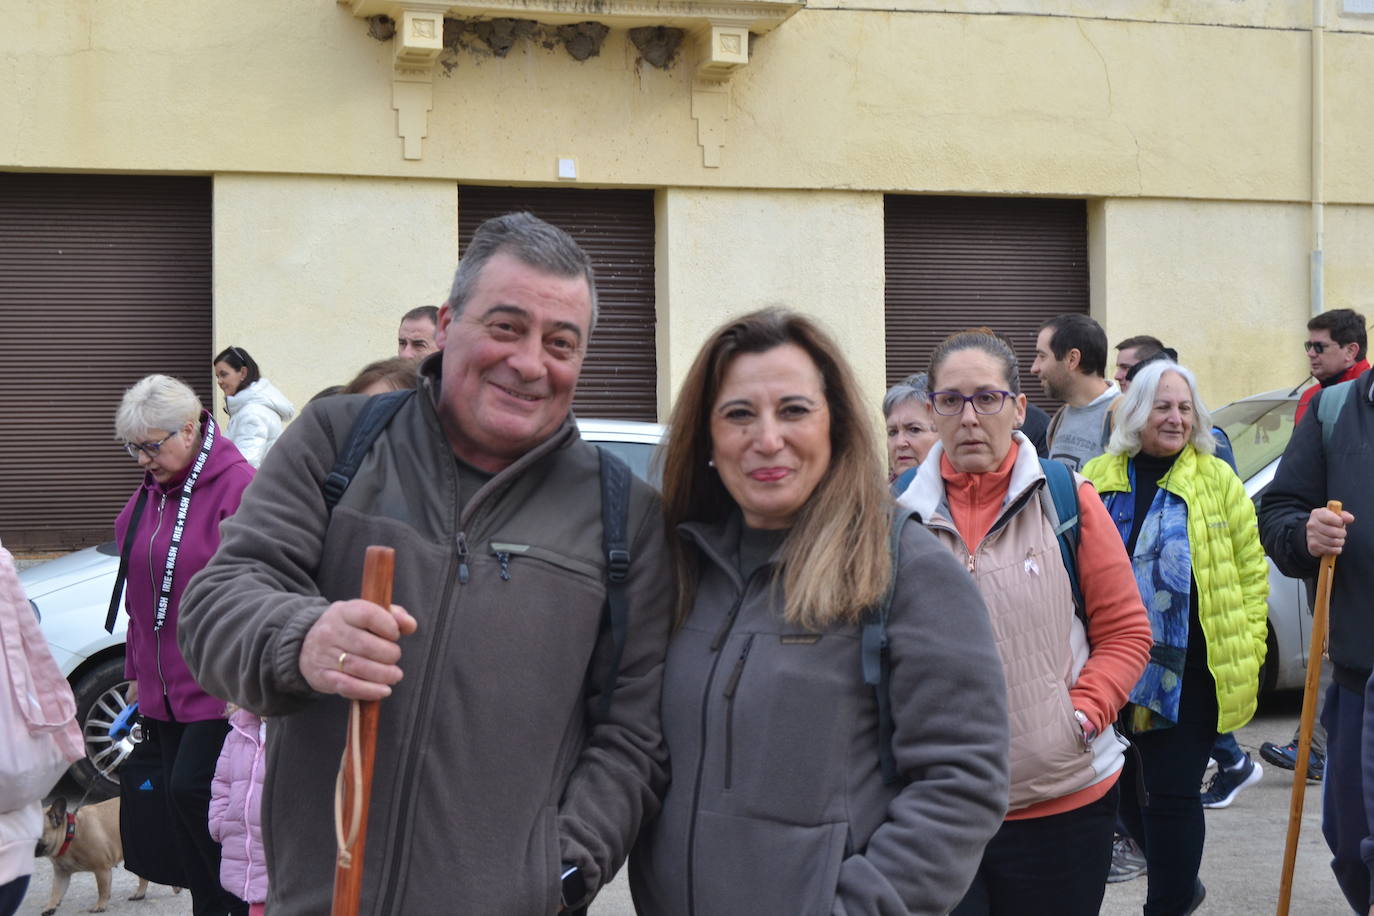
pixel 39 737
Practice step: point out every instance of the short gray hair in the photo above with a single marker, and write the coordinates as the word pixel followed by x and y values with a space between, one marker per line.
pixel 913 386
pixel 155 402
pixel 1136 404
pixel 529 240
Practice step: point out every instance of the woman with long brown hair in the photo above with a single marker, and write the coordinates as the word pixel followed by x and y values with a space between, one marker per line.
pixel 775 486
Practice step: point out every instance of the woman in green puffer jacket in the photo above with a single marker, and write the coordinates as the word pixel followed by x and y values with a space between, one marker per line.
pixel 1194 544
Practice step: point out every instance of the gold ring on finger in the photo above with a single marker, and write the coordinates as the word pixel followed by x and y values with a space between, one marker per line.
pixel 343 657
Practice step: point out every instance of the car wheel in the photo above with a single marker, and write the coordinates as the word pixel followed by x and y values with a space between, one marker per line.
pixel 101 695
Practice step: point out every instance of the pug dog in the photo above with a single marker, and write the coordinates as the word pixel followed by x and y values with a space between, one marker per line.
pixel 89 842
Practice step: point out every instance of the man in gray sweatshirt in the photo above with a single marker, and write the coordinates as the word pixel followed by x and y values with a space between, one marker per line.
pixel 1070 359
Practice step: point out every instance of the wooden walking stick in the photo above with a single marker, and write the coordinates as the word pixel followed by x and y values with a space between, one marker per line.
pixel 353 790
pixel 1309 713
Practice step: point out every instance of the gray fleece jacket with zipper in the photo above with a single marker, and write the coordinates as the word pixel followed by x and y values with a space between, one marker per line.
pixel 493 769
pixel 777 803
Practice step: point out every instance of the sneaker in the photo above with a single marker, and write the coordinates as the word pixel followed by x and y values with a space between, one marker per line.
pixel 1286 756
pixel 1127 860
pixel 1226 784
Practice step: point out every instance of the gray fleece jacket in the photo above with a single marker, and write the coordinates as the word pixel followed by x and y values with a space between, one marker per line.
pixel 492 769
pixel 777 803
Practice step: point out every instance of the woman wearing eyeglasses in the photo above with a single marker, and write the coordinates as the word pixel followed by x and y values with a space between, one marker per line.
pixel 910 426
pixel 983 492
pixel 257 410
pixel 193 478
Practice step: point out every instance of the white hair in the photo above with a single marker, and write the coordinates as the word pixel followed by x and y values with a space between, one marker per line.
pixel 155 402
pixel 1136 404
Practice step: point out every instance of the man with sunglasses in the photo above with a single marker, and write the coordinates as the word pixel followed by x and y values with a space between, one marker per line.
pixel 1329 457
pixel 1335 351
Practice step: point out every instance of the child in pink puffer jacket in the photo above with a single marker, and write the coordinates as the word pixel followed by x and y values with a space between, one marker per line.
pixel 236 809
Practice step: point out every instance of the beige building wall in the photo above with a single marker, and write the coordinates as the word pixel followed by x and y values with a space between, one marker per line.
pixel 1226 284
pixel 911 100
pixel 312 275
pixel 1185 123
pixel 1349 259
pixel 723 253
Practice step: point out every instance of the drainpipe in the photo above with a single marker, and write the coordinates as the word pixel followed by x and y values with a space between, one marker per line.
pixel 1318 141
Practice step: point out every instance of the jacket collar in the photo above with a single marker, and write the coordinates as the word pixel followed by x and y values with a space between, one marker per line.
pixel 926 494
pixel 431 371
pixel 224 454
pixel 1354 372
pixel 1111 476
pixel 717 541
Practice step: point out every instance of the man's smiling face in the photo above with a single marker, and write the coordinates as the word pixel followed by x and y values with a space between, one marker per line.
pixel 511 360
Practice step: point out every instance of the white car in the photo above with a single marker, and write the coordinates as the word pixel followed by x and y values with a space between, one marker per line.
pixel 72 596
pixel 1259 428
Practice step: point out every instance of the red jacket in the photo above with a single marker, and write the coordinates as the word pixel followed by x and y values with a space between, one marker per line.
pixel 1353 372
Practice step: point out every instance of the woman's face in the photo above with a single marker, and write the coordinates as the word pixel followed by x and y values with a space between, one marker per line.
pixel 770 434
pixel 975 442
pixel 1170 422
pixel 229 380
pixel 173 456
pixel 910 434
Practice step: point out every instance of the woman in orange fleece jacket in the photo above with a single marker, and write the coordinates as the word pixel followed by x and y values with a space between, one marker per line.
pixel 982 491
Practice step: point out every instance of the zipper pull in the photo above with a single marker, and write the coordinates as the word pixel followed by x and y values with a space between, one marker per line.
pixel 462 559
pixel 504 559
pixel 733 682
pixel 970 565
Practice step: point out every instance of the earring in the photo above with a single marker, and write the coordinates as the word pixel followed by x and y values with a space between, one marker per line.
pixel 710 462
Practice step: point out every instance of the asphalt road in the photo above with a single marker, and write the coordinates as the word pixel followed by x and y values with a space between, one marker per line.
pixel 1241 865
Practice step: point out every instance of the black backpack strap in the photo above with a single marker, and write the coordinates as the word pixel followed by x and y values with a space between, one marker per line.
pixel 877 657
pixel 615 513
pixel 371 420
pixel 123 574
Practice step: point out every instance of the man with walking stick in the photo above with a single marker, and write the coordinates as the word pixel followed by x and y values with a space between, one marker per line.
pixel 519 747
pixel 1331 457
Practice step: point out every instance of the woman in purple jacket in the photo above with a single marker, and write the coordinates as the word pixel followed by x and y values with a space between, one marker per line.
pixel 193 478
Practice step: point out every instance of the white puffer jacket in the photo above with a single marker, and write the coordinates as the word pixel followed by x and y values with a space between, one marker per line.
pixel 256 415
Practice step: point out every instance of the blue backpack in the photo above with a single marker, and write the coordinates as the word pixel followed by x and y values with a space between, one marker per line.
pixel 1329 404
pixel 874 648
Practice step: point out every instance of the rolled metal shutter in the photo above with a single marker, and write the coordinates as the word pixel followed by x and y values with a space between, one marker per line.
pixel 959 262
pixel 616 228
pixel 103 280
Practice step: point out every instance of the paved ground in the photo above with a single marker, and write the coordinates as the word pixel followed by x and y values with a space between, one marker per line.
pixel 1241 865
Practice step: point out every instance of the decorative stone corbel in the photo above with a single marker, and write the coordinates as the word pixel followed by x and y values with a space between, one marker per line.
pixel 723 48
pixel 720 29
pixel 710 109
pixel 419 39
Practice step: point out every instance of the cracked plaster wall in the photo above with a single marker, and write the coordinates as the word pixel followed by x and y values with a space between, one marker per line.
pixel 832 99
pixel 1255 14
